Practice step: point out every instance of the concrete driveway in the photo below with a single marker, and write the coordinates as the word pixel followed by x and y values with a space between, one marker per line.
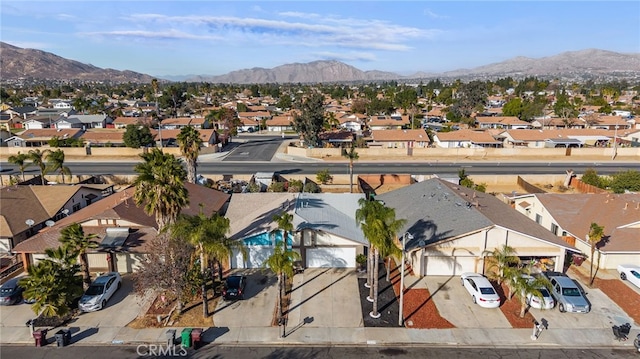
pixel 325 297
pixel 258 306
pixel 455 304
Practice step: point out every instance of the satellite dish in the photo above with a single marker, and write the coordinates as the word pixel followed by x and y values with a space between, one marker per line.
pixel 29 222
pixel 49 223
pixel 65 211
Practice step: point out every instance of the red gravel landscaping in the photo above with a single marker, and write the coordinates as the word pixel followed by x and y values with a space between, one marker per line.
pixel 419 309
pixel 511 309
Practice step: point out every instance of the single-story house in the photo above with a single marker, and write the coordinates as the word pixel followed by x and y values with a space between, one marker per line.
pixel 465 139
pixel 399 138
pixel 571 215
pixel 454 228
pixel 105 138
pixel 84 121
pixel 122 228
pixel 170 137
pixel 501 122
pixel 384 122
pixel 555 138
pixel 280 123
pixel 41 137
pixel 325 231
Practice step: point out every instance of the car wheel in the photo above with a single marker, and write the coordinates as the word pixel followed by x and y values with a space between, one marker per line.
pixel 119 285
pixel 623 276
pixel 474 299
pixel 104 304
pixel 561 308
pixel 462 282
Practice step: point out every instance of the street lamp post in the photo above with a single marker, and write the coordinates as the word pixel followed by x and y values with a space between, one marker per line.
pixel 404 246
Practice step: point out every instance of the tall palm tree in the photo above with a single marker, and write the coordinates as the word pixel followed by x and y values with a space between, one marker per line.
pixel 281 263
pixel 500 259
pixel 154 85
pixel 523 287
pixel 20 160
pixel 37 157
pixel 379 225
pixel 284 221
pixel 74 238
pixel 189 141
pixel 55 162
pixel 207 235
pixel 160 186
pixel 596 232
pixel 351 155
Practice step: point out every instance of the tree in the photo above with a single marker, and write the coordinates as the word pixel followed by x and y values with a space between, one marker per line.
pixel 37 157
pixel 189 141
pixel 625 181
pixel 308 123
pixel 470 96
pixel 74 238
pixel 379 225
pixel 205 234
pixel 160 186
pixel 282 260
pixel 53 283
pixel 499 260
pixel 55 162
pixel 591 177
pixel 351 155
pixel 20 160
pixel 524 287
pixel 596 232
pixel 514 107
pixel 135 136
pixel 324 176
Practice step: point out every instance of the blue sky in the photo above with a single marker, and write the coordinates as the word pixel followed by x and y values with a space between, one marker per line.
pixel 215 37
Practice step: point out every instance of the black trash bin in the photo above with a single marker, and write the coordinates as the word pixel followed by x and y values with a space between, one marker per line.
pixel 63 337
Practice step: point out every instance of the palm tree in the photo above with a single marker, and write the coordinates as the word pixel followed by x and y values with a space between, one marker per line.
pixel 500 259
pixel 20 160
pixel 189 141
pixel 160 186
pixel 351 155
pixel 53 283
pixel 281 263
pixel 379 225
pixel 596 232
pixel 55 162
pixel 207 235
pixel 37 158
pixel 154 85
pixel 523 287
pixel 285 224
pixel 74 238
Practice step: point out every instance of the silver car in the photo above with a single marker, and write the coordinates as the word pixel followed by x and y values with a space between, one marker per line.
pixel 567 294
pixel 103 288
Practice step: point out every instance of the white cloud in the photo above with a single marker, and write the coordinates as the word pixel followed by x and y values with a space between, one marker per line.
pixel 168 34
pixel 65 17
pixel 346 56
pixel 433 15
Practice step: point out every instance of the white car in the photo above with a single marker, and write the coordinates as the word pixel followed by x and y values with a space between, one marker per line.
pixel 631 273
pixel 481 290
pixel 99 292
pixel 546 302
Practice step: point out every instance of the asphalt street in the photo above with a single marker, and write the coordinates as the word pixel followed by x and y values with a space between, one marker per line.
pixel 299 352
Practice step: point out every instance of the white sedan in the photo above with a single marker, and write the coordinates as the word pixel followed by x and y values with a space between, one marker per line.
pixel 631 273
pixel 481 290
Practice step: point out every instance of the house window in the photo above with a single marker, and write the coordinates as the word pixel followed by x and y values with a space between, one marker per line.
pixel 76 207
pixel 564 233
pixel 554 228
pixel 538 219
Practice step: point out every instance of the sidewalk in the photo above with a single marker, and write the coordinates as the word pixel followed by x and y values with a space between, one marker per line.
pixel 303 335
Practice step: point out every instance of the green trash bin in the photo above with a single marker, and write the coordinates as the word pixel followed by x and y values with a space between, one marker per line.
pixel 186 337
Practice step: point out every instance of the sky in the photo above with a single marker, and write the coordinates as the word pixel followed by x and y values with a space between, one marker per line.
pixel 174 38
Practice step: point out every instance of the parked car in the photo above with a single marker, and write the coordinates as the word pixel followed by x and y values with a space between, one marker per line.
pixel 481 290
pixel 100 291
pixel 544 302
pixel 234 287
pixel 631 273
pixel 11 292
pixel 567 294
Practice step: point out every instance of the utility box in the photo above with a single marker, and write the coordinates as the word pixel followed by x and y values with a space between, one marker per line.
pixel 196 337
pixel 63 337
pixel 171 337
pixel 40 337
pixel 186 337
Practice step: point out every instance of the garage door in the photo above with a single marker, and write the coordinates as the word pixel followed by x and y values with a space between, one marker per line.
pixel 441 265
pixel 256 255
pixel 333 257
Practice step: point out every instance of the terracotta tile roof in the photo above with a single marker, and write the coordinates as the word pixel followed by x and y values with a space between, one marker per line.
pixel 254 114
pixel 184 121
pixel 541 135
pixel 205 134
pixel 466 135
pixel 618 213
pixel 612 121
pixel 280 121
pixel 113 136
pixel 388 121
pixel 46 134
pixel 505 120
pixel 126 120
pixel 419 135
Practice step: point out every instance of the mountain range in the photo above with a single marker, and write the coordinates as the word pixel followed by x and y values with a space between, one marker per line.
pixel 18 63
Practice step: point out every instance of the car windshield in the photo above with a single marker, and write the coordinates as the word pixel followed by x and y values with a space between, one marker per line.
pixel 233 282
pixel 571 292
pixel 635 274
pixel 95 290
pixel 545 293
pixel 487 291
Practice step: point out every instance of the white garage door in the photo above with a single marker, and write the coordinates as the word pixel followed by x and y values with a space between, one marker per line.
pixel 333 257
pixel 441 265
pixel 256 255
